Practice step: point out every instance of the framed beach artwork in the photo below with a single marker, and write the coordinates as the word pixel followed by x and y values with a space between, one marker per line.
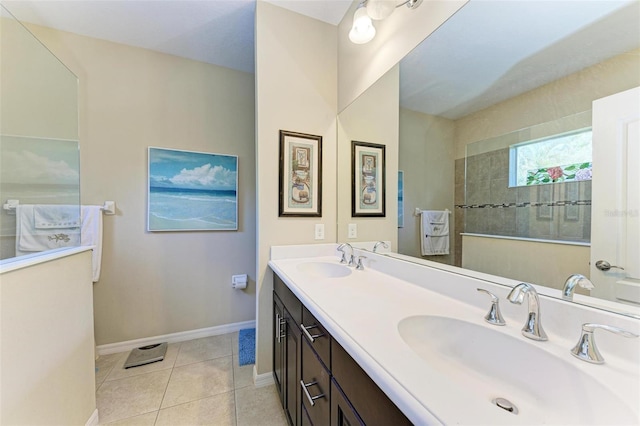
pixel 367 179
pixel 192 191
pixel 300 174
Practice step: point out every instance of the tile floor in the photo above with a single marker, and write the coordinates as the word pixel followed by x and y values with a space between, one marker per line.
pixel 199 382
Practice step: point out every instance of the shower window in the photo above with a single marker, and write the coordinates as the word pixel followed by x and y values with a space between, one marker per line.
pixel 560 158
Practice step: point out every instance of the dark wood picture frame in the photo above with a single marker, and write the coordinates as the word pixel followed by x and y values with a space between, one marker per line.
pixel 368 179
pixel 300 186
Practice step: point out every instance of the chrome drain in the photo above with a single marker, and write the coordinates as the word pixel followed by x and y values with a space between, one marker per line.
pixel 506 405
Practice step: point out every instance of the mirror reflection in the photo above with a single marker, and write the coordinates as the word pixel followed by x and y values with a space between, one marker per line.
pixel 498 79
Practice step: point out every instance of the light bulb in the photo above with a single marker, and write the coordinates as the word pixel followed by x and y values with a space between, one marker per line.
pixel 362 30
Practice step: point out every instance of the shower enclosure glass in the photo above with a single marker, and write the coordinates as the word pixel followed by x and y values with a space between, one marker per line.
pixel 39 148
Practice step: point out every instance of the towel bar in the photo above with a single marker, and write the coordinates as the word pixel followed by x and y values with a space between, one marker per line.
pixel 108 208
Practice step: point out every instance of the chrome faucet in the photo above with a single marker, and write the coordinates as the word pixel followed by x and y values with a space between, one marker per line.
pixel 341 248
pixel 380 243
pixel 570 285
pixel 533 327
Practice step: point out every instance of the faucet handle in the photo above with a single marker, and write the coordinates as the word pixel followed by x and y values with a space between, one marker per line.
pixel 493 316
pixel 360 266
pixel 586 348
pixel 343 258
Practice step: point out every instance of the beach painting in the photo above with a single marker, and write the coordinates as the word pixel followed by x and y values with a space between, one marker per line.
pixel 192 191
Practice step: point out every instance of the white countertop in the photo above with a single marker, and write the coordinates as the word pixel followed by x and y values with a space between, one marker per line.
pixel 362 312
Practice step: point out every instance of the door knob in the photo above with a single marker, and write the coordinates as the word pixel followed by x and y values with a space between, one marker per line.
pixel 603 265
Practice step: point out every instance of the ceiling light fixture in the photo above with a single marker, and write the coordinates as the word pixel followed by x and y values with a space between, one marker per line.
pixel 363 30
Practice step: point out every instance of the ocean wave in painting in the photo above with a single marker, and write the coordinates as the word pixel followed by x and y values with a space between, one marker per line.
pixel 183 209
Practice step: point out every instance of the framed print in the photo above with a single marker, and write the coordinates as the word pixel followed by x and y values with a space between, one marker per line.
pixel 192 191
pixel 367 179
pixel 300 174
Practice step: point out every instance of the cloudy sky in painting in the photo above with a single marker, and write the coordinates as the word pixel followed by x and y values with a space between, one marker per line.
pixel 191 170
pixel 39 161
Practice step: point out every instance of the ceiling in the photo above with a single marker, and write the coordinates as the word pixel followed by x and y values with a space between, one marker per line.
pixel 219 32
pixel 506 47
pixel 491 51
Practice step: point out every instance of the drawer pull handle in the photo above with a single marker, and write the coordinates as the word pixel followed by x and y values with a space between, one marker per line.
pixel 310 336
pixel 280 321
pixel 311 399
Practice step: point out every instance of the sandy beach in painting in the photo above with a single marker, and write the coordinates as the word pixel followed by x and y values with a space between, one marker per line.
pixel 184 209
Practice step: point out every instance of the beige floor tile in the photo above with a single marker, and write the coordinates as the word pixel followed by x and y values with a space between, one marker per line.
pixel 148 419
pixel 216 410
pixel 119 372
pixel 204 349
pixel 234 343
pixel 259 406
pixel 199 380
pixel 131 396
pixel 242 375
pixel 104 365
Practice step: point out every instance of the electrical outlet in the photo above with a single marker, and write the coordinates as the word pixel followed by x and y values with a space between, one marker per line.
pixel 353 231
pixel 319 231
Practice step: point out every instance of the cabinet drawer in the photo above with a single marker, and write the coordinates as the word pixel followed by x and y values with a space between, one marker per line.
pixel 315 387
pixel 317 336
pixel 290 301
pixel 370 402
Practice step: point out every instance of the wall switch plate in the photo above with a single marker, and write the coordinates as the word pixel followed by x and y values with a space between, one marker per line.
pixel 352 231
pixel 319 233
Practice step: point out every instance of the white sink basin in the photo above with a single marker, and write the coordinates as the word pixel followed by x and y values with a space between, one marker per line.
pixel 490 364
pixel 324 269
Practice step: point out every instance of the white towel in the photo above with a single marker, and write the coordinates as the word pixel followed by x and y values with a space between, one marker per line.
pixel 30 239
pixel 434 230
pixel 56 216
pixel 92 235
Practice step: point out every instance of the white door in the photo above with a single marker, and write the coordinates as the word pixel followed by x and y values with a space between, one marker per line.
pixel 615 209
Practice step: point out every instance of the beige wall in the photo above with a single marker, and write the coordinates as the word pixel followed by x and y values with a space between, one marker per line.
pixel 545 263
pixel 39 94
pixel 360 65
pixel 47 352
pixel 296 81
pixel 426 157
pixel 372 118
pixel 130 98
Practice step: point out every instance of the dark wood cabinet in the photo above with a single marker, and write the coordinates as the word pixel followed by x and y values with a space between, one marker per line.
pixel 287 313
pixel 279 347
pixel 315 386
pixel 319 383
pixel 342 413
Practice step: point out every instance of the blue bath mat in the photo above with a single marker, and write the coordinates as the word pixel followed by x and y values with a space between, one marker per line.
pixel 247 346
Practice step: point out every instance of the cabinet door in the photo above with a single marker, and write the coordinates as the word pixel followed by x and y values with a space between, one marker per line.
pixel 342 413
pixel 369 401
pixel 315 386
pixel 279 341
pixel 292 366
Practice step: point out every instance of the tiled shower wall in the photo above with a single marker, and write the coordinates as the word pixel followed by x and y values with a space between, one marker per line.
pixel 486 205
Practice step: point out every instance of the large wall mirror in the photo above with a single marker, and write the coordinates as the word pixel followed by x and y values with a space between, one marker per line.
pixel 496 79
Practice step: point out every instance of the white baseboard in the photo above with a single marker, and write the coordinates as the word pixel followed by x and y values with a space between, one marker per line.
pixel 93 420
pixel 260 380
pixel 182 336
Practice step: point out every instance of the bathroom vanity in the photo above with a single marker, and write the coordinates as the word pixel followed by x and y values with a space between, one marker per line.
pixel 401 343
pixel 318 382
